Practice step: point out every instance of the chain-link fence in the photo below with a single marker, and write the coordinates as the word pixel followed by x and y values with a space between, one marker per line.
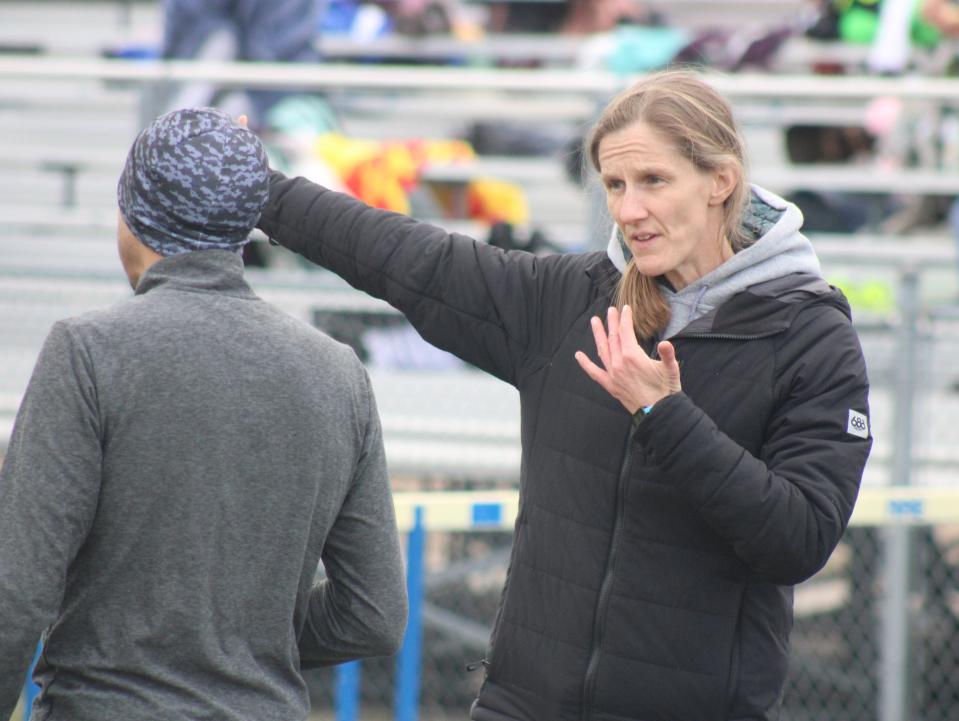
pixel 836 669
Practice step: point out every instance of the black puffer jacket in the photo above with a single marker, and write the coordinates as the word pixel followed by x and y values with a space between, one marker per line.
pixel 652 568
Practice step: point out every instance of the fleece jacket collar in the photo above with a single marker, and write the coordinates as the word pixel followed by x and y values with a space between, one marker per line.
pixel 201 271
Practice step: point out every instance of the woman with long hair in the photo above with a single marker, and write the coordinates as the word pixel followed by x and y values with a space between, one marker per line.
pixel 685 462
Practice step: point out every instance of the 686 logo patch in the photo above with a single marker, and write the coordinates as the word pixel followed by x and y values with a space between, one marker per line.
pixel 858 424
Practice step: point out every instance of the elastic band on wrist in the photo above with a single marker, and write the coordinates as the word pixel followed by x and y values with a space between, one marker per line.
pixel 639 415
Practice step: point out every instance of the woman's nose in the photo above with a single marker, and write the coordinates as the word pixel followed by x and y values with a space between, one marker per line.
pixel 633 208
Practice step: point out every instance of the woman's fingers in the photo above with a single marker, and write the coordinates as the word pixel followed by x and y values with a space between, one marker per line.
pixel 599 336
pixel 615 345
pixel 628 373
pixel 627 333
pixel 593 370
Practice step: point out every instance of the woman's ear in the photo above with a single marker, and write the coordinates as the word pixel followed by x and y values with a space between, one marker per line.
pixel 725 179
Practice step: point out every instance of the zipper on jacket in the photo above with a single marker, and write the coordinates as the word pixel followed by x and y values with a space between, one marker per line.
pixel 606 587
pixel 473 665
pixel 727 336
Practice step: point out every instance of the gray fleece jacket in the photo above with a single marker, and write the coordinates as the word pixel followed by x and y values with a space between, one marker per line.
pixel 778 249
pixel 179 466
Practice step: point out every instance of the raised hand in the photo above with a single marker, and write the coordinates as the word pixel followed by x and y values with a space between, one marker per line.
pixel 628 374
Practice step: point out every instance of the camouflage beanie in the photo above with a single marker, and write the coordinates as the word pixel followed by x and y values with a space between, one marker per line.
pixel 194 180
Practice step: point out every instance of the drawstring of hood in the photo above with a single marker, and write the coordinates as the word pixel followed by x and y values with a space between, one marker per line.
pixel 695 305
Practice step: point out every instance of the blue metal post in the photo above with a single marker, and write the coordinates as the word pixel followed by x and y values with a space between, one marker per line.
pixel 408 672
pixel 30 690
pixel 348 691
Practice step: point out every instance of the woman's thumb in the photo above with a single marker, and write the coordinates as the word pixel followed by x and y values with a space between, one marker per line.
pixel 667 354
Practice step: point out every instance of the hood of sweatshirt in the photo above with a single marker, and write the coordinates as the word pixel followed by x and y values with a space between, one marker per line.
pixel 779 249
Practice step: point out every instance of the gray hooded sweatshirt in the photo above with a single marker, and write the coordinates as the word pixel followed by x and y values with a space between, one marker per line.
pixel 180 464
pixel 778 249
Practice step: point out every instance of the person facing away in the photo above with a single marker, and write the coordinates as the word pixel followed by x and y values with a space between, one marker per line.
pixel 683 465
pixel 179 466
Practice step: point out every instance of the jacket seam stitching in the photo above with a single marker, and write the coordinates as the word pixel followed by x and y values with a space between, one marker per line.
pixel 543 572
pixel 557 514
pixel 725 480
pixel 679 546
pixel 567 454
pixel 502 682
pixel 660 665
pixel 545 635
pixel 711 614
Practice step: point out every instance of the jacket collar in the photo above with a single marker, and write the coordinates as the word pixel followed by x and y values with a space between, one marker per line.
pixel 766 308
pixel 603 273
pixel 200 271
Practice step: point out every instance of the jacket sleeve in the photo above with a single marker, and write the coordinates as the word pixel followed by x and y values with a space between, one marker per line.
pixel 49 487
pixel 492 308
pixel 360 608
pixel 785 511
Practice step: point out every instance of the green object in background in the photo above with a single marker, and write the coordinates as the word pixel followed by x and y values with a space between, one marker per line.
pixel 868 296
pixel 923 34
pixel 858 25
pixel 859 22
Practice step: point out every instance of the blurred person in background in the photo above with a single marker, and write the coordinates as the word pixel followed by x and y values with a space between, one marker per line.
pixel 251 30
pixel 159 537
pixel 686 463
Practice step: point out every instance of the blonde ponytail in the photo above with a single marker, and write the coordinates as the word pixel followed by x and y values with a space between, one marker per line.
pixel 641 293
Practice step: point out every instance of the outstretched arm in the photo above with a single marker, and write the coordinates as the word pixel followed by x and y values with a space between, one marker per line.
pixel 493 308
